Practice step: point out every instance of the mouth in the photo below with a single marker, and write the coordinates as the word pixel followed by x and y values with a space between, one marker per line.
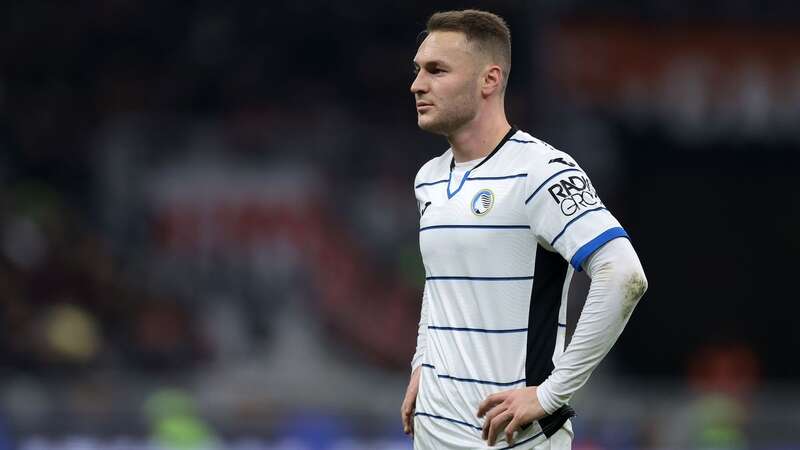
pixel 424 106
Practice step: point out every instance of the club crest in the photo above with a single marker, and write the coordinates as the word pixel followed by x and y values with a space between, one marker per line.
pixel 482 202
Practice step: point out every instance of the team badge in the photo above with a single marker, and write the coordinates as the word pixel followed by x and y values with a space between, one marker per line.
pixel 482 202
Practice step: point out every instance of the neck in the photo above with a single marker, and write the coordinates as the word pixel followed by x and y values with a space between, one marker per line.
pixel 480 136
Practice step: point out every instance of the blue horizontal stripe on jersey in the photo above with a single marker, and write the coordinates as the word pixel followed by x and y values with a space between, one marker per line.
pixel 470 178
pixel 478 278
pixel 460 422
pixel 547 180
pixel 488 227
pixel 588 248
pixel 471 380
pixel 505 177
pixel 522 142
pixel 563 325
pixel 477 330
pixel 561 233
pixel 430 183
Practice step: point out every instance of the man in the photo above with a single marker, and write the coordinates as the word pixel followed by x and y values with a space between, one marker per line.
pixel 505 220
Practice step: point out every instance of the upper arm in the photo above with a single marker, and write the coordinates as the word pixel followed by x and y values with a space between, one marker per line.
pixel 564 210
pixel 617 260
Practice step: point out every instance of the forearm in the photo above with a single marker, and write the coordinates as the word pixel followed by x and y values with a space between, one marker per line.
pixel 618 282
pixel 422 332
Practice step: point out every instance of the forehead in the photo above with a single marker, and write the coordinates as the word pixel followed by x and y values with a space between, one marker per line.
pixel 448 46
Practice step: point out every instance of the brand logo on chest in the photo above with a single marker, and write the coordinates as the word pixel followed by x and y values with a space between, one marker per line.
pixel 482 202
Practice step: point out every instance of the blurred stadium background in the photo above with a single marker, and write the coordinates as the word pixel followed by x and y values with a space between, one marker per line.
pixel 208 232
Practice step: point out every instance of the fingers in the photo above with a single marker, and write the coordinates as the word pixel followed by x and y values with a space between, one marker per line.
pixel 492 407
pixel 497 424
pixel 490 402
pixel 493 414
pixel 512 427
pixel 407 415
pixel 410 402
pixel 509 409
pixel 408 424
pixel 488 420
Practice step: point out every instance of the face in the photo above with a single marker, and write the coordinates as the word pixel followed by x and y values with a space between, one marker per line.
pixel 446 87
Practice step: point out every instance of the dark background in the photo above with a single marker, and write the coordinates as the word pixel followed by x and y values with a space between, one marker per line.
pixel 208 208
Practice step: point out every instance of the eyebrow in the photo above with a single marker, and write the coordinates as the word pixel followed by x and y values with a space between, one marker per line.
pixel 434 62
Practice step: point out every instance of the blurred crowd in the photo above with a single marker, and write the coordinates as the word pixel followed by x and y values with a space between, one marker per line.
pixel 66 302
pixel 218 196
pixel 81 70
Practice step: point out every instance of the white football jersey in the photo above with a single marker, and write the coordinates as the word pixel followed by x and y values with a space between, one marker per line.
pixel 499 245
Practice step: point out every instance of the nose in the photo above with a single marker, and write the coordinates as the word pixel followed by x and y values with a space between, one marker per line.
pixel 419 86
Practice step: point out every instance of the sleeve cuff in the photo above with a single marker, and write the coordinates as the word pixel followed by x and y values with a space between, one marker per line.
pixel 546 398
pixel 416 361
pixel 588 248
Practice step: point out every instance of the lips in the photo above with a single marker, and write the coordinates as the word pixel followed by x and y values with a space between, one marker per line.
pixel 424 106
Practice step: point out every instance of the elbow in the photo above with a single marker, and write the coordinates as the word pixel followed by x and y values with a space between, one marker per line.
pixel 635 285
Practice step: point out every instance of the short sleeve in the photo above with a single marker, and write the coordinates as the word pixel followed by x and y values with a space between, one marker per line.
pixel 565 212
pixel 422 203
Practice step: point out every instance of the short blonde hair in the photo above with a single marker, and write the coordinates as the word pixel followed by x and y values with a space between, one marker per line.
pixel 487 31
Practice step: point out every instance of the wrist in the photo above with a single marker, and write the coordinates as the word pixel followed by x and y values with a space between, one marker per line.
pixel 546 398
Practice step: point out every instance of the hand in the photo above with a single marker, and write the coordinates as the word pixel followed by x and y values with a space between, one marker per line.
pixel 510 409
pixel 410 403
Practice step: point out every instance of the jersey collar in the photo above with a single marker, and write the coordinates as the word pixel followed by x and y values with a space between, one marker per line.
pixel 502 142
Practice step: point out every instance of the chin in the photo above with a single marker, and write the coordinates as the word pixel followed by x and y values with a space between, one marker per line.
pixel 430 126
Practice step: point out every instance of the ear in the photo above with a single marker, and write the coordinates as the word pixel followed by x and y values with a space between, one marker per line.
pixel 492 80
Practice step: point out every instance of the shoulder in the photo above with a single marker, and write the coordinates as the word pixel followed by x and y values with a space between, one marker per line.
pixel 540 159
pixel 434 169
pixel 533 153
